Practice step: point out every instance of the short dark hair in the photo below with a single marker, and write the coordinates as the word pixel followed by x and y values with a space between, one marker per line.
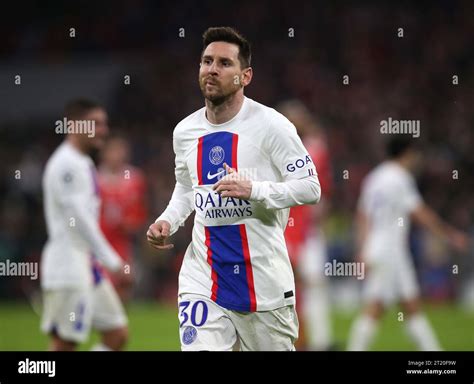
pixel 397 145
pixel 229 35
pixel 76 109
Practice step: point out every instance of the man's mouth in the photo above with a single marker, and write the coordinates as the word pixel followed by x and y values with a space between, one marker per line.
pixel 210 82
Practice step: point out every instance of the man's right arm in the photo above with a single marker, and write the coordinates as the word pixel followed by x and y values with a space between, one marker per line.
pixel 180 206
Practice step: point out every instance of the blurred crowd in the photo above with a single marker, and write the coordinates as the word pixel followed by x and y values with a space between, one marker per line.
pixel 401 61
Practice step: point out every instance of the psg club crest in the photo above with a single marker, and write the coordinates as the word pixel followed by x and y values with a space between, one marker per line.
pixel 189 335
pixel 216 155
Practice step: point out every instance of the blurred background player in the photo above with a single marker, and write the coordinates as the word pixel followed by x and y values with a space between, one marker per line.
pixel 123 210
pixel 76 295
pixel 389 200
pixel 305 237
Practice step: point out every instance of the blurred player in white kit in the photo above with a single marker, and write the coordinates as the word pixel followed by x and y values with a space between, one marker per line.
pixel 388 202
pixel 76 296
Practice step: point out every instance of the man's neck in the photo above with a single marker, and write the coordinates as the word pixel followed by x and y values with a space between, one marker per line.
pixel 76 145
pixel 115 169
pixel 402 162
pixel 222 113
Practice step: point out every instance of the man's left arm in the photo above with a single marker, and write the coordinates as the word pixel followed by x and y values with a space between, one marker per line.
pixel 300 183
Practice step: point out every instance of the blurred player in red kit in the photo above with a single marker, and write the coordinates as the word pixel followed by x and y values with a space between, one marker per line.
pixel 305 238
pixel 123 211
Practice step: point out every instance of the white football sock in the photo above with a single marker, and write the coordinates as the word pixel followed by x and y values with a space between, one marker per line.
pixel 362 333
pixel 422 334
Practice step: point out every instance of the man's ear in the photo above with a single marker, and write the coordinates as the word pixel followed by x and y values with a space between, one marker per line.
pixel 246 76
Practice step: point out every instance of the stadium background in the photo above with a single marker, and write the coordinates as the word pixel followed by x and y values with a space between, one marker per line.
pixel 409 77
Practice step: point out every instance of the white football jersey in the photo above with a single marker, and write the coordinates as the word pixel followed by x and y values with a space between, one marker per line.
pixel 71 205
pixel 238 255
pixel 389 194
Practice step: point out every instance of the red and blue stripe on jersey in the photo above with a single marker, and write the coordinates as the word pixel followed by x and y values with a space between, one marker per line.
pixel 224 140
pixel 227 245
pixel 232 276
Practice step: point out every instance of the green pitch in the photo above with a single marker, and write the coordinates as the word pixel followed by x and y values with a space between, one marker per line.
pixel 154 327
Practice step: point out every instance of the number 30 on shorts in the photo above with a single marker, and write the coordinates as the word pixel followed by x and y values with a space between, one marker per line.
pixel 198 314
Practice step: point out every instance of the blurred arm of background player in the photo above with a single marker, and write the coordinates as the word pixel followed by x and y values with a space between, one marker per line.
pixel 91 233
pixel 362 229
pixel 422 215
pixel 428 218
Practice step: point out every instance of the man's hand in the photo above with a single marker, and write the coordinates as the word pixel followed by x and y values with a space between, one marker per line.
pixel 429 219
pixel 233 185
pixel 158 233
pixel 459 240
pixel 122 273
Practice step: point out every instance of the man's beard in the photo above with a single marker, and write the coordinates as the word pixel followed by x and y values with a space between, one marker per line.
pixel 94 151
pixel 94 154
pixel 219 97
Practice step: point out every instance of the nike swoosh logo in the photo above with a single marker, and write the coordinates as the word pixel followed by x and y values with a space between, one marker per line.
pixel 211 176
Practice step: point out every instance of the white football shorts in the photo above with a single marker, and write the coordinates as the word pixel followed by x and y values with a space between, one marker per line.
pixel 206 326
pixel 71 313
pixel 390 279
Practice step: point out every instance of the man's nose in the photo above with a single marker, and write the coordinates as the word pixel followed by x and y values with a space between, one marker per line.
pixel 213 68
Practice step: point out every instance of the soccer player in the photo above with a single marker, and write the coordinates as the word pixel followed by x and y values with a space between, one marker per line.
pixel 305 238
pixel 123 211
pixel 240 165
pixel 76 296
pixel 388 202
